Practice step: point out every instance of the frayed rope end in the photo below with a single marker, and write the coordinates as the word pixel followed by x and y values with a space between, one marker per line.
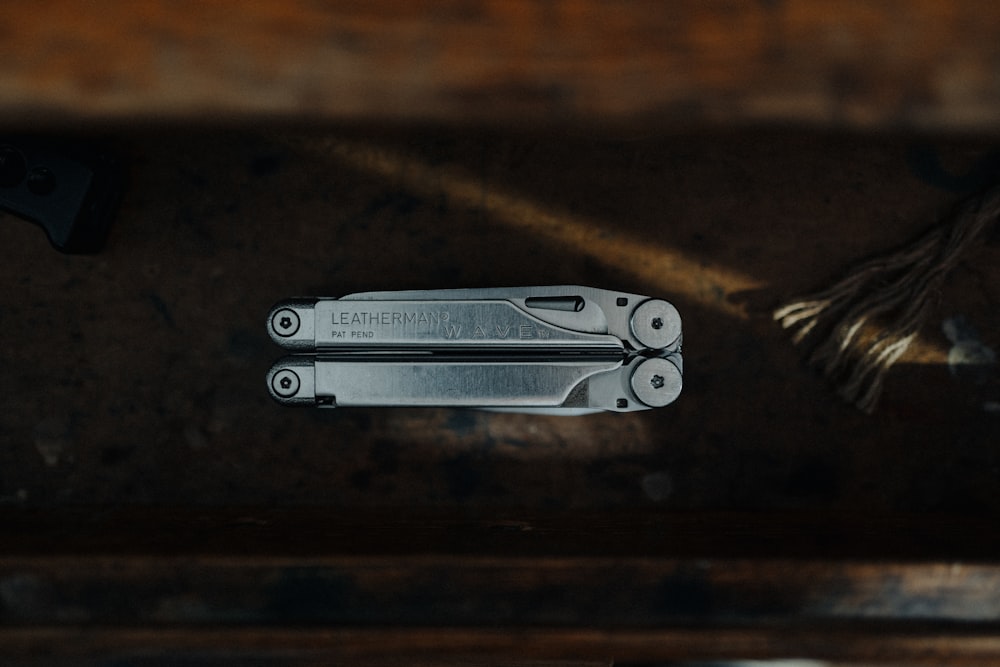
pixel 872 315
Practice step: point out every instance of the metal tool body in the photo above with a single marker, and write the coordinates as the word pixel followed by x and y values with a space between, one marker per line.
pixel 555 349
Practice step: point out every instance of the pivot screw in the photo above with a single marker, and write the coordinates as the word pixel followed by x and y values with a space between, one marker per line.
pixel 656 382
pixel 285 322
pixel 285 383
pixel 655 324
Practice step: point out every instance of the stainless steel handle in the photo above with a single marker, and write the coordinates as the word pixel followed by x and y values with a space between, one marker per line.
pixel 571 385
pixel 562 349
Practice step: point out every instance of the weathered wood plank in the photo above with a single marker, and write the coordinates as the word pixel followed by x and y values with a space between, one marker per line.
pixel 874 64
pixel 851 645
pixel 136 377
pixel 463 591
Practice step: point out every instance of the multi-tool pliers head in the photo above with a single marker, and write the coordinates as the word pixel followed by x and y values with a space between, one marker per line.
pixel 558 349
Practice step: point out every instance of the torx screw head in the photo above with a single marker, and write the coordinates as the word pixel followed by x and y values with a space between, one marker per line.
pixel 285 322
pixel 656 324
pixel 285 383
pixel 656 382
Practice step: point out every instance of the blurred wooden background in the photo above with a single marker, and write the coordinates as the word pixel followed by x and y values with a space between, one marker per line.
pixel 860 63
pixel 157 509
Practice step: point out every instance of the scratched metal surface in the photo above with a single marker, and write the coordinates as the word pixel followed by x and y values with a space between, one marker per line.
pixel 136 376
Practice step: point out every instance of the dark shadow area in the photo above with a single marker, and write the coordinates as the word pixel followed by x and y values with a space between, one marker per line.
pixel 136 377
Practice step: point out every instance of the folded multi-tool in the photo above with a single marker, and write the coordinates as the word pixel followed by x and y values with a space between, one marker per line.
pixel 556 350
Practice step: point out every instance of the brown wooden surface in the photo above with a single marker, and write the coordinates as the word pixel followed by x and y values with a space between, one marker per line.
pixel 489 591
pixel 851 646
pixel 884 63
pixel 152 492
pixel 135 377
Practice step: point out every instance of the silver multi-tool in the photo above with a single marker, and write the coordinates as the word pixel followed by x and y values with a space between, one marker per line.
pixel 555 350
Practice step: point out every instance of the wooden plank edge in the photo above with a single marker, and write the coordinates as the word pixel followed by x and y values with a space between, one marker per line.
pixel 872 643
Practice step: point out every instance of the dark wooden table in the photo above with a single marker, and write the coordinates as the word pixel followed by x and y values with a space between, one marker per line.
pixel 157 508
pixel 157 504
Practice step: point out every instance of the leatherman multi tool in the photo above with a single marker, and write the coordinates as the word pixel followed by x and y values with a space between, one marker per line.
pixel 557 350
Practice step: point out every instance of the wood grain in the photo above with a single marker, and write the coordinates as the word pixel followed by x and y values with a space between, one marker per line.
pixel 436 609
pixel 885 63
pixel 464 591
pixel 852 645
pixel 790 525
pixel 135 378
